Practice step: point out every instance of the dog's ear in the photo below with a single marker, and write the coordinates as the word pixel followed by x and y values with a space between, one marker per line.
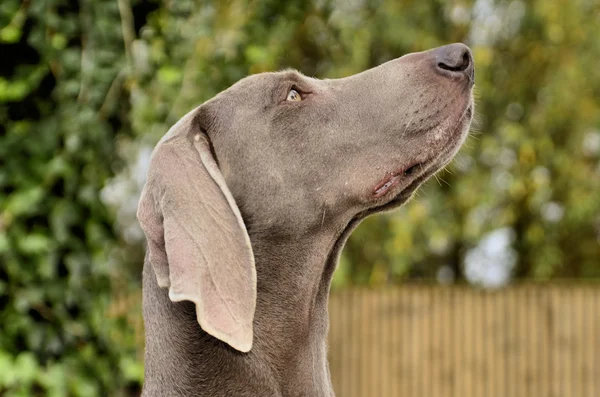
pixel 198 244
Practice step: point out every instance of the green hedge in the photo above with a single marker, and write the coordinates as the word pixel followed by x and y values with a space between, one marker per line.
pixel 60 119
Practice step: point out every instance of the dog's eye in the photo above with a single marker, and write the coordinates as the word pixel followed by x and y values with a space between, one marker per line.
pixel 293 96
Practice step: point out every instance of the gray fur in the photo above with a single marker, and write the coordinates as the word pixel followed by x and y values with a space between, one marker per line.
pixel 253 243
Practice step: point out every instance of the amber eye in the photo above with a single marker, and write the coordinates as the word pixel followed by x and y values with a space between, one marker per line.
pixel 293 96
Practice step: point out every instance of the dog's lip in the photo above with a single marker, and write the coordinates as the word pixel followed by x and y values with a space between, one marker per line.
pixel 393 179
pixel 400 198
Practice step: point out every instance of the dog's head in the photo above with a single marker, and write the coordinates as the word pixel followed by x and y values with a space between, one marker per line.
pixel 286 156
pixel 291 147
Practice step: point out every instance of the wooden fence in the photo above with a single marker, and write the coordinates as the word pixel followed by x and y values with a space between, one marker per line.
pixel 430 341
pixel 420 341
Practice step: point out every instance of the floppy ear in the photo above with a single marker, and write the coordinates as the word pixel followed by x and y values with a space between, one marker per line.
pixel 198 244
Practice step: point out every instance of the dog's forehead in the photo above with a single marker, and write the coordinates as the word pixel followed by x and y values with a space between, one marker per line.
pixel 268 79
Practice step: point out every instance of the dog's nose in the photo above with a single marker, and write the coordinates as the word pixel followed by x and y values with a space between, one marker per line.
pixel 455 60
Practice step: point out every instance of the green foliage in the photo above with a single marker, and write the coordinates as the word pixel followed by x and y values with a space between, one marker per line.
pixel 57 148
pixel 86 86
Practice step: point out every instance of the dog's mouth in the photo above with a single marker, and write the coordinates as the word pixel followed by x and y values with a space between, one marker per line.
pixel 411 178
pixel 396 178
pixel 405 181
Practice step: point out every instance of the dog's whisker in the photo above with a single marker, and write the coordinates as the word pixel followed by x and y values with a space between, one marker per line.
pixel 407 125
pixel 447 169
pixel 446 182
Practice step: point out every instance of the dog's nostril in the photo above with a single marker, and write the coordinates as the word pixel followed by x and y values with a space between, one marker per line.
pixel 459 66
pixel 454 60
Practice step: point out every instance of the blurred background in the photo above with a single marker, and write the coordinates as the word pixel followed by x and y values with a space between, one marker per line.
pixel 485 284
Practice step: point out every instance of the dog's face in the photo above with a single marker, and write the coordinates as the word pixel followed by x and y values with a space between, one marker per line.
pixel 298 152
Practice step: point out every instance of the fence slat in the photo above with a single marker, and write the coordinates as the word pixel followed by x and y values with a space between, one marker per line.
pixel 420 340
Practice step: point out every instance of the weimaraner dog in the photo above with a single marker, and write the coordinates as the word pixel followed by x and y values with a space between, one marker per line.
pixel 251 196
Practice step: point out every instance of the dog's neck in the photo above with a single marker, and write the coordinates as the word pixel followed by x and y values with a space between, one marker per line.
pixel 291 319
pixel 290 327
